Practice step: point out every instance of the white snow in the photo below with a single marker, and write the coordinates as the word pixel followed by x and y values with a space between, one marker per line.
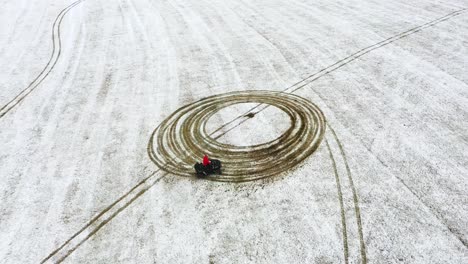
pixel 77 141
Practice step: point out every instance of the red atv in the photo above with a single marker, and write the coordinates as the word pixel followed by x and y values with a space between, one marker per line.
pixel 209 166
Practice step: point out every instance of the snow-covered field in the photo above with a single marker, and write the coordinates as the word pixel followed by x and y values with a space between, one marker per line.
pixel 83 86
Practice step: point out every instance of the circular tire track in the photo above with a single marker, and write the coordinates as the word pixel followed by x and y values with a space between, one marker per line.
pixel 99 221
pixel 181 139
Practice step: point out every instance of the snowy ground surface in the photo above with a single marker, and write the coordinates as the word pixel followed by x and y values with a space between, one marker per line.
pixel 82 88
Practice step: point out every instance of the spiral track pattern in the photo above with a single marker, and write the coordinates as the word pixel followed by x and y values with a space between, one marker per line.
pixel 181 139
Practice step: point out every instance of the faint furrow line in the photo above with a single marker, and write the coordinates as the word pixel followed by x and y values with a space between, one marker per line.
pixel 56 52
pixel 101 219
pixel 335 66
pixel 106 215
pixel 325 71
pixel 438 215
pixel 302 84
pixel 354 56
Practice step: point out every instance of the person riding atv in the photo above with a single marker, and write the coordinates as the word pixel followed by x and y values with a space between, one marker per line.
pixel 209 166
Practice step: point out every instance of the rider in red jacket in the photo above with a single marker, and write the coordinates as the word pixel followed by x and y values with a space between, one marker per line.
pixel 207 167
pixel 206 160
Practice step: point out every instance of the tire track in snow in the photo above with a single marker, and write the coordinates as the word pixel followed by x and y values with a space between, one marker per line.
pixel 340 200
pixel 356 55
pixel 182 137
pixel 311 126
pixel 54 57
pixel 101 219
pixel 329 69
pixel 247 115
pixel 357 210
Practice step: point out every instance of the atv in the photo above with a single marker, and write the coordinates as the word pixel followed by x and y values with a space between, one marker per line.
pixel 213 167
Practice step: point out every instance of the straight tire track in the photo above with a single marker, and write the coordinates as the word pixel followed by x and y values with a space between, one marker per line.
pixel 357 210
pixel 302 83
pixel 354 56
pixel 340 199
pixel 101 219
pixel 325 71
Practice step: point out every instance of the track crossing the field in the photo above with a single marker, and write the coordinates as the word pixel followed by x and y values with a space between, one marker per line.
pixel 54 57
pixel 179 140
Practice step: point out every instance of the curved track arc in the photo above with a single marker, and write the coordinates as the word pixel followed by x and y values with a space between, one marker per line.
pixel 182 138
pixel 54 57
